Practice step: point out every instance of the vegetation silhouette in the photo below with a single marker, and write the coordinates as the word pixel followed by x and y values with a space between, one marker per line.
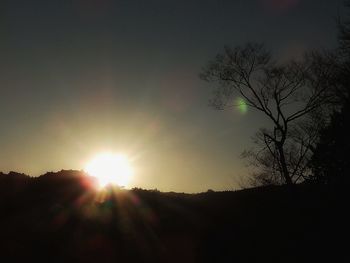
pixel 62 217
pixel 305 100
pixel 290 95
pixel 330 161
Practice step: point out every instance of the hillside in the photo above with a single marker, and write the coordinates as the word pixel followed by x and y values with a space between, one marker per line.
pixel 61 217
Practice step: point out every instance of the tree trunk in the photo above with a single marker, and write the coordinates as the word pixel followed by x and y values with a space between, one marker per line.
pixel 285 171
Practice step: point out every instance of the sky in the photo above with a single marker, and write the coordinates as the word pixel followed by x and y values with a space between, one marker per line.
pixel 80 77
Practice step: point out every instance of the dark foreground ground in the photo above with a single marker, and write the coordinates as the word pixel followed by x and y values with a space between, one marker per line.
pixel 62 218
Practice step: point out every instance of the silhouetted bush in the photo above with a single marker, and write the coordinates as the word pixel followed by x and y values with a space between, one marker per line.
pixel 331 162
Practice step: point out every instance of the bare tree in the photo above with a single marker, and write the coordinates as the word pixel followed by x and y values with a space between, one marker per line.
pixel 287 94
pixel 301 141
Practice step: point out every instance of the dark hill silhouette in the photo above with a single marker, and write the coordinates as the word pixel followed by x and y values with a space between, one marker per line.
pixel 61 217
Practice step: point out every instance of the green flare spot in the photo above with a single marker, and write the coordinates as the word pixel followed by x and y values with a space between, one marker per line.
pixel 242 105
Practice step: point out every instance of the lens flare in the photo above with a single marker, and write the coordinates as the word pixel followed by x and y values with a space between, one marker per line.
pixel 281 5
pixel 242 105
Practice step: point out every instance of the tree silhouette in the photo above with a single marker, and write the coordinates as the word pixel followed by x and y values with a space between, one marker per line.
pixel 286 93
pixel 330 162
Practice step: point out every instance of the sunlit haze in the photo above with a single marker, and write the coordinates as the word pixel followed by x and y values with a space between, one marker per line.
pixel 110 168
pixel 78 77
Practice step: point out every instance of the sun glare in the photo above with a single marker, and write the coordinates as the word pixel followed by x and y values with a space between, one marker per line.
pixel 110 168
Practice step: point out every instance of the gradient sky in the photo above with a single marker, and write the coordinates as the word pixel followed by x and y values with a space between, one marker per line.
pixel 83 76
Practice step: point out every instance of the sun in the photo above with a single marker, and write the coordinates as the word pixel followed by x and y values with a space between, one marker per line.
pixel 110 168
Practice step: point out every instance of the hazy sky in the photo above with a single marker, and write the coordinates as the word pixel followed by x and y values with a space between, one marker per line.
pixel 83 76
